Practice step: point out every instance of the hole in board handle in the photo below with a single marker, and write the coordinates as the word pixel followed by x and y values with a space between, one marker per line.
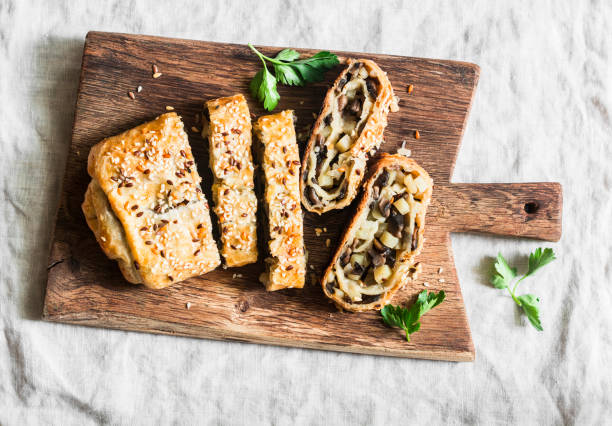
pixel 531 207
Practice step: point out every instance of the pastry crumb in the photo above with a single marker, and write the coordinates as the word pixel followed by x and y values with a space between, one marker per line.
pixel 318 231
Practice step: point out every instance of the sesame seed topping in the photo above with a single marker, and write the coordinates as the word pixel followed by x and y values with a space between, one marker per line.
pixel 131 95
pixel 157 75
pixel 169 108
pixel 139 89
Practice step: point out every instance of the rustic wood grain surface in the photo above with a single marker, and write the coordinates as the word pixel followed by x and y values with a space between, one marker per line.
pixel 84 287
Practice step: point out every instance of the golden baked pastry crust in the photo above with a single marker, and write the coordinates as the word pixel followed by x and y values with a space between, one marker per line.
pixel 286 266
pixel 334 123
pixel 405 267
pixel 145 205
pixel 231 161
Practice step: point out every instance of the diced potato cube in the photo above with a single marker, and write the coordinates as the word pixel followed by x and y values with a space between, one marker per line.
pixel 344 143
pixel 389 240
pixel 381 273
pixel 326 180
pixel 421 184
pixel 409 183
pixel 402 206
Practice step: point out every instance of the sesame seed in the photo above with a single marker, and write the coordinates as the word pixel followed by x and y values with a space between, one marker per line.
pixel 327 242
pixel 154 68
pixel 441 280
pixel 131 95
pixel 417 135
pixel 169 108
pixel 157 75
pixel 139 89
pixel 426 284
pixel 188 305
pixel 410 88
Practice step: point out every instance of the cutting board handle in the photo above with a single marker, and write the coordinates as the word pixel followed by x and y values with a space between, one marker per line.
pixel 530 210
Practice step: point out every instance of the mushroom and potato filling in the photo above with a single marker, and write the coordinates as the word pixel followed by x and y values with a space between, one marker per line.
pixel 383 234
pixel 331 161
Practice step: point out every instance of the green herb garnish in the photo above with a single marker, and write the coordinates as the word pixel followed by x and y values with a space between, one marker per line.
pixel 408 319
pixel 505 274
pixel 288 70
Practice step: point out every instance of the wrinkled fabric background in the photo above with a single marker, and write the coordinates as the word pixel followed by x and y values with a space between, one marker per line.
pixel 541 113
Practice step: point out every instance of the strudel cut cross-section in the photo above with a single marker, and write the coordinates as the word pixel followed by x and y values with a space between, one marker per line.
pixel 350 125
pixel 377 253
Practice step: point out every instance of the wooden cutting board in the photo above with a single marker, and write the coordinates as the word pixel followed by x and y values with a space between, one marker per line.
pixel 84 287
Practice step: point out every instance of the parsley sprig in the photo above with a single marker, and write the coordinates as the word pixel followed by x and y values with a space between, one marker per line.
pixel 408 319
pixel 288 70
pixel 505 275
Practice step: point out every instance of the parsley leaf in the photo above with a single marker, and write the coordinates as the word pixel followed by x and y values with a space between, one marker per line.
pixel 263 87
pixel 505 274
pixel 290 71
pixel 408 319
pixel 540 258
pixel 529 303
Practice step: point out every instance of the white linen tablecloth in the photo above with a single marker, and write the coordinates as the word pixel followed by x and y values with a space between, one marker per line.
pixel 542 112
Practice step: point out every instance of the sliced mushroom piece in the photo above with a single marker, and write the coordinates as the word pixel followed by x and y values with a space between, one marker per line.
pixel 346 257
pixel 396 223
pixel 375 192
pixel 371 85
pixel 342 101
pixel 382 180
pixel 415 238
pixel 385 207
pixel 312 196
pixel 355 106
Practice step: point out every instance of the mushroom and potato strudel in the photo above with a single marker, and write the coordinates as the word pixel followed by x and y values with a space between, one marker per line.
pixel 145 206
pixel 231 161
pixel 350 125
pixel 376 255
pixel 286 264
